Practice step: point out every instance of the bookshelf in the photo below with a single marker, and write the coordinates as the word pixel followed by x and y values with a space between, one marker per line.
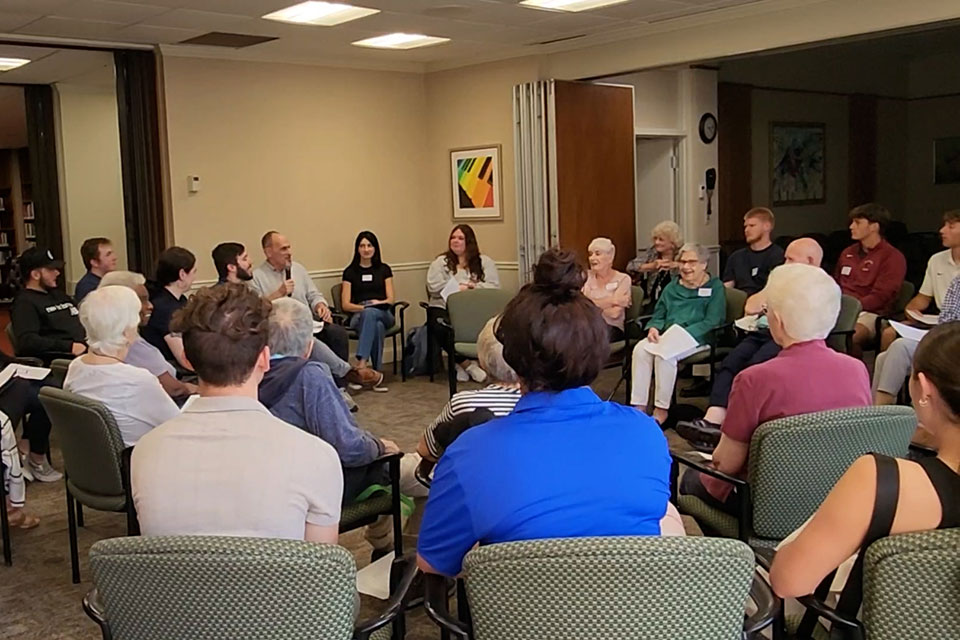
pixel 17 217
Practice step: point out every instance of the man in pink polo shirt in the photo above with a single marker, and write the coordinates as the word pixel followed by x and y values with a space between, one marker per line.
pixel 871 270
pixel 805 377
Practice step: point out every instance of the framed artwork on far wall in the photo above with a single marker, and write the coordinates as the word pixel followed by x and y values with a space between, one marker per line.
pixel 475 183
pixel 798 158
pixel 946 160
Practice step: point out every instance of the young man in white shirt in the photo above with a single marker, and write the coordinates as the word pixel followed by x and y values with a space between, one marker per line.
pixel 226 466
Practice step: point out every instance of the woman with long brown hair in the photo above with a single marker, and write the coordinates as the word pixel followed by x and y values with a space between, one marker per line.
pixel 462 263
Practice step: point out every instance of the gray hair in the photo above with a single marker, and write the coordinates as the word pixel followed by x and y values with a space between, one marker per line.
pixel 128 279
pixel 490 354
pixel 805 298
pixel 602 244
pixel 290 327
pixel 668 230
pixel 703 255
pixel 107 314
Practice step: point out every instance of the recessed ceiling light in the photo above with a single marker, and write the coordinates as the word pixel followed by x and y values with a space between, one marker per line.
pixel 326 14
pixel 569 5
pixel 12 63
pixel 400 41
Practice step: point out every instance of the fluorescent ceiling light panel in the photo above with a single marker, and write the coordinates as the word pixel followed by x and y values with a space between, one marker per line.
pixel 569 5
pixel 325 14
pixel 400 41
pixel 6 64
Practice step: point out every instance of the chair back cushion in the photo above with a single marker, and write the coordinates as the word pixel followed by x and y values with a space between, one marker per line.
pixel 634 311
pixel 903 297
pixel 90 441
pixel 469 311
pixel 224 587
pixel 736 301
pixel 336 292
pixel 618 587
pixel 911 586
pixel 846 321
pixel 795 461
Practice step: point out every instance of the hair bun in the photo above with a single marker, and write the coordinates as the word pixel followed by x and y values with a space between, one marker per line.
pixel 559 272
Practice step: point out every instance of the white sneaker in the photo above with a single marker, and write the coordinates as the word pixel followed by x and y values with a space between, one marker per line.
pixel 25 469
pixel 462 376
pixel 476 373
pixel 42 471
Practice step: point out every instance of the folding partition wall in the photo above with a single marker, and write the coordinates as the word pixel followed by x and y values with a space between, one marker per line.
pixel 575 179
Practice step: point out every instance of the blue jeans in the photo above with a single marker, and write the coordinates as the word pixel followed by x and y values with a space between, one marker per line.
pixel 371 324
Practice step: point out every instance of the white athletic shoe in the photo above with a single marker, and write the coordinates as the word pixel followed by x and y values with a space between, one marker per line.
pixel 476 373
pixel 462 376
pixel 42 471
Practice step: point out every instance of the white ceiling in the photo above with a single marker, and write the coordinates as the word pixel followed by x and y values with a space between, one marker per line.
pixel 479 29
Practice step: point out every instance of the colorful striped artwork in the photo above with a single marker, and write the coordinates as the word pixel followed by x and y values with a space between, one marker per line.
pixel 475 174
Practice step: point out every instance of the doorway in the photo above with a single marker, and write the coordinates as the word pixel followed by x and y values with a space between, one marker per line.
pixel 658 183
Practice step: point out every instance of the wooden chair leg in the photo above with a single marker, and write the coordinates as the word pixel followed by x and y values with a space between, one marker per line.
pixel 72 532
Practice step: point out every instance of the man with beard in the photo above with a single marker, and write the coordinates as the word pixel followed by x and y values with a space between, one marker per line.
pixel 747 269
pixel 232 262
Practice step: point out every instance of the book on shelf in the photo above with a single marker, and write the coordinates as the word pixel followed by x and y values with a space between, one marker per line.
pixel 29 230
pixel 2 206
pixel 4 241
pixel 28 211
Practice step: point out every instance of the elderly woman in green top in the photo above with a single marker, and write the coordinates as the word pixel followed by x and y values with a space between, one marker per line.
pixel 687 310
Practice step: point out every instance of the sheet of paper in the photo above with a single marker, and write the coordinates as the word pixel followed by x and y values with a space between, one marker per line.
pixel 926 318
pixel 908 332
pixel 747 323
pixel 374 579
pixel 449 289
pixel 7 373
pixel 317 327
pixel 31 373
pixel 673 342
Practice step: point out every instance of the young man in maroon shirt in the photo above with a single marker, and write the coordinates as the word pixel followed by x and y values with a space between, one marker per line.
pixel 871 270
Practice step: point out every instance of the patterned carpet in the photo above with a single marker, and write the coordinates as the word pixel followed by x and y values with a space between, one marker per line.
pixel 38 601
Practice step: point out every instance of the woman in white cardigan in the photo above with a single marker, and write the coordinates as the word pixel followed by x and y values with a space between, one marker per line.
pixel 463 263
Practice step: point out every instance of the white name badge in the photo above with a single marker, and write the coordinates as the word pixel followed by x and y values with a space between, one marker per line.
pixel 704 292
pixel 845 271
pixel 612 286
pixel 367 277
pixel 754 271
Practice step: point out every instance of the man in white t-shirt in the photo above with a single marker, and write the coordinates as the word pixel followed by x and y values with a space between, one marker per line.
pixel 226 466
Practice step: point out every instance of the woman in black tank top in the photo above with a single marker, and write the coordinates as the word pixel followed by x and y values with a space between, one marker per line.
pixel 878 496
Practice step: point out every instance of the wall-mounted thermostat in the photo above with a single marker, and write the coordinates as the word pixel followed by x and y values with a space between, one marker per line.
pixel 193 184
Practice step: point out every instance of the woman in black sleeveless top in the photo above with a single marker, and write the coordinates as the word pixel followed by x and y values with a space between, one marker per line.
pixel 928 490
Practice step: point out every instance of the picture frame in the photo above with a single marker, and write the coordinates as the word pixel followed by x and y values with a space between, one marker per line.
pixel 798 163
pixel 475 183
pixel 946 160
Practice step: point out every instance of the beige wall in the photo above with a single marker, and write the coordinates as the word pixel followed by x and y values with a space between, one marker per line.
pixel 926 202
pixel 91 202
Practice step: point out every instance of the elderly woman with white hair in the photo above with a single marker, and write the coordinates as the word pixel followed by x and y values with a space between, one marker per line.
pixel 606 287
pixel 807 376
pixel 693 304
pixel 111 317
pixel 658 266
pixel 496 399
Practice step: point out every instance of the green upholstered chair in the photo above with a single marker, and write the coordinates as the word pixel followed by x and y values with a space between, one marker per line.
pixel 841 338
pixel 614 588
pixel 398 328
pixel 468 311
pixel 632 335
pixel 58 370
pixel 218 587
pixel 897 311
pixel 722 339
pixel 96 463
pixel 793 464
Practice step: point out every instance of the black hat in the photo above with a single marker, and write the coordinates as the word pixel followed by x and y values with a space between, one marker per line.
pixel 37 258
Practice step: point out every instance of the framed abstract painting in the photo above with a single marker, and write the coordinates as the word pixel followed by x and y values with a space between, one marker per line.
pixel 798 173
pixel 475 182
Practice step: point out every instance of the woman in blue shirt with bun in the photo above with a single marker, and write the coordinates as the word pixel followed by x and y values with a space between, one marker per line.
pixel 564 463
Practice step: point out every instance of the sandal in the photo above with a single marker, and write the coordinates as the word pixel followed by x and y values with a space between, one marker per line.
pixel 20 519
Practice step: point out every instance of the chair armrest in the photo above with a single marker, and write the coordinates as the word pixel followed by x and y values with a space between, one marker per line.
pixel 436 597
pixel 764 556
pixel 94 609
pixel 339 318
pixel 768 606
pixel 424 305
pixel 445 323
pixel 823 610
pixel 402 305
pixel 397 602
pixel 30 362
pixel 703 467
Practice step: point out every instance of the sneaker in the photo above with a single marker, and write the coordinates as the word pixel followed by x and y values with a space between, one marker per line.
pixel 699 432
pixel 25 468
pixel 42 471
pixel 476 373
pixel 462 376
pixel 366 377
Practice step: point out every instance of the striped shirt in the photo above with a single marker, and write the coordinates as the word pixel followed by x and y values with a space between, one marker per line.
pixel 498 399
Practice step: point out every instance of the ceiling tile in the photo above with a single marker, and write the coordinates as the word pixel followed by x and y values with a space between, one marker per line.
pixel 248 8
pixel 42 7
pixel 147 34
pixel 10 21
pixel 108 11
pixel 69 28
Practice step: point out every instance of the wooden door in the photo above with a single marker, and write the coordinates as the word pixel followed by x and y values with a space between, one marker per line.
pixel 594 141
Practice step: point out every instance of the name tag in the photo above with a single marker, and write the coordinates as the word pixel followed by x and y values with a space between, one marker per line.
pixel 611 286
pixel 704 292
pixel 845 271
pixel 754 271
pixel 367 277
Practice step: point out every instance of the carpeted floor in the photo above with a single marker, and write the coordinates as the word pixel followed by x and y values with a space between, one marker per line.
pixel 38 600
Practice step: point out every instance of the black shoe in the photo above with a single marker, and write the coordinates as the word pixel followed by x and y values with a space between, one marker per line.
pixel 700 432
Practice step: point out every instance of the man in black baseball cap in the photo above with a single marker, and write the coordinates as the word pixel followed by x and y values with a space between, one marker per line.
pixel 46 323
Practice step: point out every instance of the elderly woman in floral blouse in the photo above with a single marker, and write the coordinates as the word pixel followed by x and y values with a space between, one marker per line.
pixel 658 267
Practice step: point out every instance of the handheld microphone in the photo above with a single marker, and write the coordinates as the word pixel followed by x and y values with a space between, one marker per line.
pixel 286 276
